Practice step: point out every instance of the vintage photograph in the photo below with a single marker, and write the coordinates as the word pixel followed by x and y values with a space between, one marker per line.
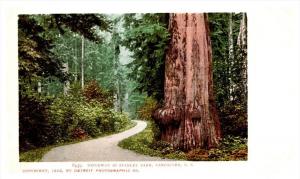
pixel 133 87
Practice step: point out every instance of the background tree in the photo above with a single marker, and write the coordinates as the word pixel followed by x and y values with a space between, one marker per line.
pixel 38 62
pixel 146 36
pixel 230 71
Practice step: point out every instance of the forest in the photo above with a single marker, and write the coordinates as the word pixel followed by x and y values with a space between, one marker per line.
pixel 87 76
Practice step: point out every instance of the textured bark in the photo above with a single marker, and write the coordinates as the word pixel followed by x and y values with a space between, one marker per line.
pixel 231 58
pixel 242 37
pixel 242 44
pixel 66 83
pixel 82 62
pixel 189 118
pixel 76 60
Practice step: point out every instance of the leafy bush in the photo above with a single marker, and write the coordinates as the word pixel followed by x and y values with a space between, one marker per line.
pixel 231 148
pixel 34 129
pixel 45 121
pixel 79 133
pixel 62 115
pixel 145 113
pixel 146 110
pixel 120 121
pixel 234 120
pixel 92 118
pixel 163 147
pixel 92 91
pixel 87 116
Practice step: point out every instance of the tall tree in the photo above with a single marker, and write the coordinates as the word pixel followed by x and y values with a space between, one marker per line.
pixel 230 70
pixel 146 36
pixel 230 57
pixel 37 62
pixel 67 82
pixel 242 52
pixel 189 118
pixel 82 62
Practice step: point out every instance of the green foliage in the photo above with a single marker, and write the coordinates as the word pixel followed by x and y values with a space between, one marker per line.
pixel 85 24
pixel 230 83
pixel 141 142
pixel 219 27
pixel 146 110
pixel 62 114
pixel 36 35
pixel 147 37
pixel 100 63
pixel 70 116
pixel 47 41
pixel 145 143
pixel 35 56
pixel 34 128
pixel 88 116
pixel 34 155
pixel 135 100
pixel 66 118
pixel 39 63
pixel 234 119
pixel 231 148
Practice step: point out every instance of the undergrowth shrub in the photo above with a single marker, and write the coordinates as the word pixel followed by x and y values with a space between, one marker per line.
pixel 93 92
pixel 45 121
pixel 34 128
pixel 234 120
pixel 163 147
pixel 87 116
pixel 146 110
pixel 120 121
pixel 231 148
pixel 79 133
pixel 62 115
pixel 92 118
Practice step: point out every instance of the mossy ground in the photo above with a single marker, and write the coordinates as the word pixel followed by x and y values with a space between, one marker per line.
pixel 230 149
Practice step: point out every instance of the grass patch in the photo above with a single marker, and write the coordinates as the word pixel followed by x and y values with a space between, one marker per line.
pixel 35 155
pixel 231 148
pixel 143 143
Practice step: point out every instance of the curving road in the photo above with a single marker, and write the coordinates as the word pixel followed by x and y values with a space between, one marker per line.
pixel 101 149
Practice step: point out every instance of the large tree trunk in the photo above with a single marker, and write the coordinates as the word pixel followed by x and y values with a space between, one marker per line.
pixel 189 118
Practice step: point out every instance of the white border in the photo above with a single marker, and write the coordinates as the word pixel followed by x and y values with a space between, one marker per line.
pixel 273 86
